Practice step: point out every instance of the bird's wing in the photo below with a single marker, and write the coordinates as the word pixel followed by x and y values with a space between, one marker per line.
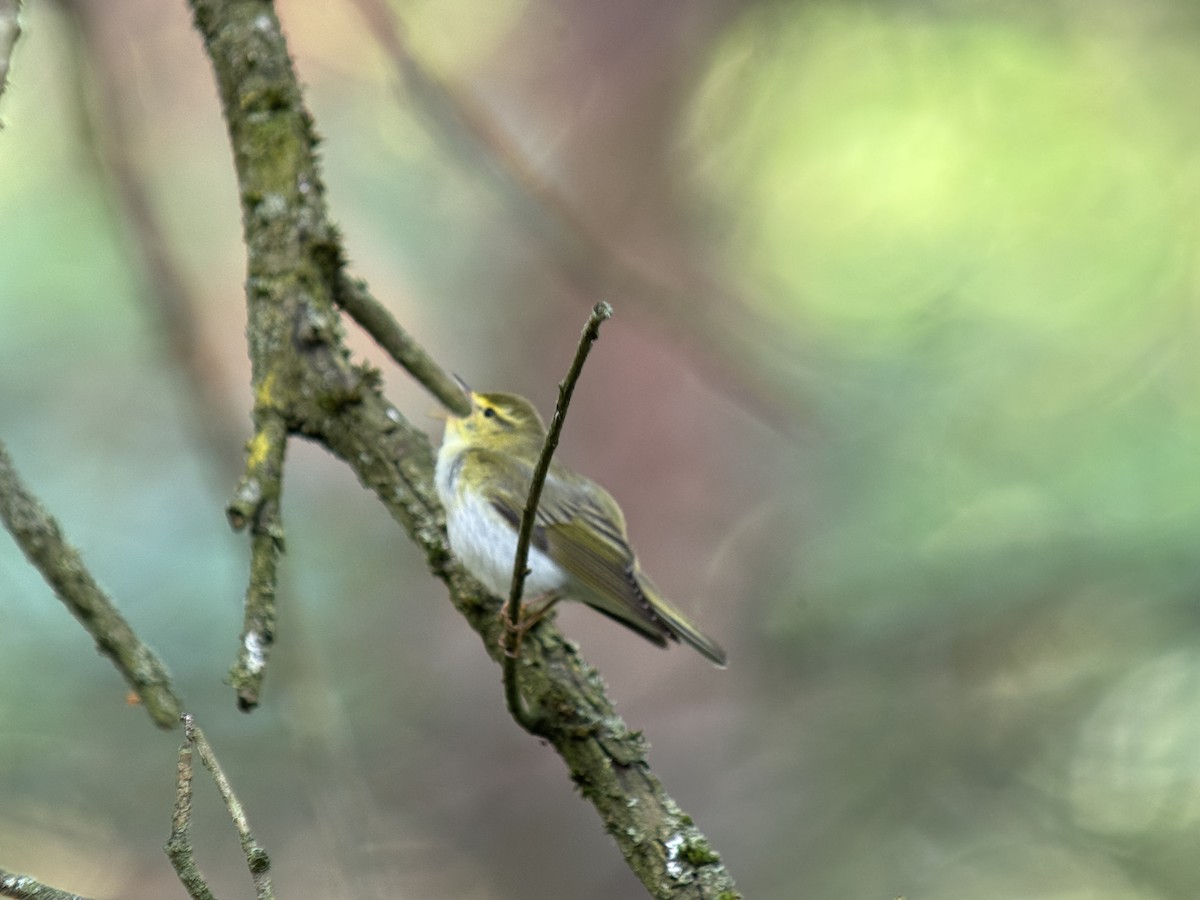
pixel 580 527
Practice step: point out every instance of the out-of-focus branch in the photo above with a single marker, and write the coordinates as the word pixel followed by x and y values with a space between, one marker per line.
pixel 721 330
pixel 301 364
pixel 39 537
pixel 10 30
pixel 179 844
pixel 104 113
pixel 532 721
pixel 22 887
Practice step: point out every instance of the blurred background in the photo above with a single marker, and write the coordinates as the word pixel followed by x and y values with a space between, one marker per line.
pixel 900 399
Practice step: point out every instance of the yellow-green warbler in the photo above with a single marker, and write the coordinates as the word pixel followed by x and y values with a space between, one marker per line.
pixel 578 546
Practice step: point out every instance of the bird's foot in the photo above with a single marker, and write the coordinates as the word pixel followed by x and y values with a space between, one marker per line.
pixel 528 615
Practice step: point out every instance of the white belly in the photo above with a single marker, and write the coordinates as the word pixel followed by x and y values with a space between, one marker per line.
pixel 486 543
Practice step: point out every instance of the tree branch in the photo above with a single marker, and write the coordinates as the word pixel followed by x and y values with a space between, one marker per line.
pixel 352 296
pixel 10 31
pixel 512 693
pixel 105 114
pixel 39 537
pixel 300 360
pixel 179 845
pixel 22 887
pixel 256 503
pixel 722 329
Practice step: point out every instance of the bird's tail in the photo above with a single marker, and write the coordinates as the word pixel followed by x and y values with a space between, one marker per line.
pixel 676 625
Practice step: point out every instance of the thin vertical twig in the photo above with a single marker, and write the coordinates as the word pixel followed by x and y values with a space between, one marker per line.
pixel 257 504
pixel 512 694
pixel 179 844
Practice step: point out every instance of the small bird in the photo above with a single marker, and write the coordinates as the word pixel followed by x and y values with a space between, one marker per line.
pixel 578 547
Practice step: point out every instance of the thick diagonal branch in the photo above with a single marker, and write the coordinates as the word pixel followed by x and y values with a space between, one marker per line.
pixel 296 346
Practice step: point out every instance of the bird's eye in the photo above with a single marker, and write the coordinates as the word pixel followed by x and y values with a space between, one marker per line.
pixel 489 413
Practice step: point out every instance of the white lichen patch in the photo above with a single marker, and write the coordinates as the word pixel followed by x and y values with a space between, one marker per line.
pixel 674 844
pixel 272 206
pixel 256 653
